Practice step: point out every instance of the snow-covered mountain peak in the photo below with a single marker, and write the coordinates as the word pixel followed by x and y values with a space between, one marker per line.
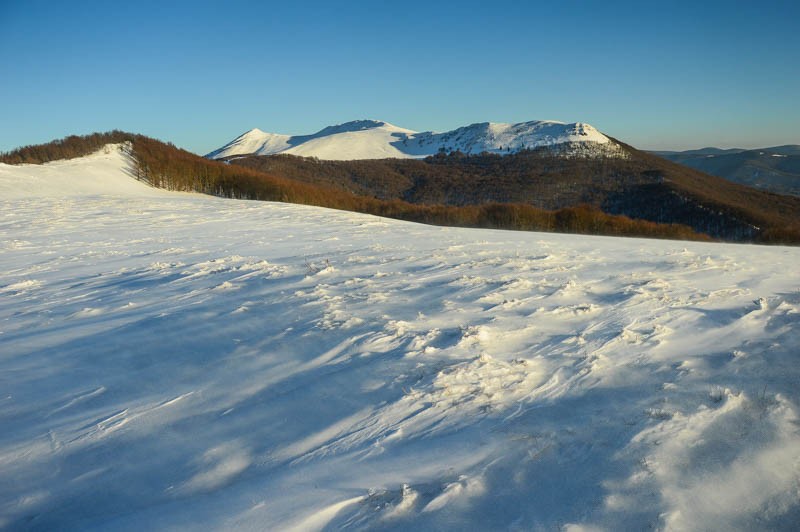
pixel 252 135
pixel 354 126
pixel 377 139
pixel 579 128
pixel 358 125
pixel 253 141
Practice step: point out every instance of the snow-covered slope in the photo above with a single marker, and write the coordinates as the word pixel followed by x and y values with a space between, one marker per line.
pixel 109 171
pixel 176 361
pixel 503 138
pixel 374 139
pixel 364 139
pixel 253 141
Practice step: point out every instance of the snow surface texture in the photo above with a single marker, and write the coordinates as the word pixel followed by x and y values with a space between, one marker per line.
pixel 374 139
pixel 177 361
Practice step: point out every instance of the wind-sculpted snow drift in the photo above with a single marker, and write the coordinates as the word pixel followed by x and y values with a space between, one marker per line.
pixel 181 361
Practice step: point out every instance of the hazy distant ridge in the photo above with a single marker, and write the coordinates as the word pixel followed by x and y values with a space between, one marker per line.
pixel 776 169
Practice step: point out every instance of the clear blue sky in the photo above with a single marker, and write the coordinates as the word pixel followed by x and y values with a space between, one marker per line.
pixel 663 75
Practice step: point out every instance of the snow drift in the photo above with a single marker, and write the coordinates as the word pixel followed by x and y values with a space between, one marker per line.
pixel 177 361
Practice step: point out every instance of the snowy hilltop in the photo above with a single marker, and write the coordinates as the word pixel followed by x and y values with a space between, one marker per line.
pixel 179 361
pixel 375 139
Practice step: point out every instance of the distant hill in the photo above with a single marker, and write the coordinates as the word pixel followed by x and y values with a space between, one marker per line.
pixel 776 169
pixel 375 139
pixel 700 151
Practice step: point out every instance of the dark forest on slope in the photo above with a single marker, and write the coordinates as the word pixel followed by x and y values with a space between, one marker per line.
pixel 641 186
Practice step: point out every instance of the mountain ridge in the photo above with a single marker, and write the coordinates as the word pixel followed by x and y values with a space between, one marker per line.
pixel 377 139
pixel 775 169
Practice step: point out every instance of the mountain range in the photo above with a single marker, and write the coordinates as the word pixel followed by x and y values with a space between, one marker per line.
pixel 776 169
pixel 376 139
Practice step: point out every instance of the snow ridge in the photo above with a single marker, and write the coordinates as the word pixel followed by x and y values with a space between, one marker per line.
pixel 109 171
pixel 376 139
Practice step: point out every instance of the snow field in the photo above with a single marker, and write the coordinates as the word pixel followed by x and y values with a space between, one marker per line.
pixel 179 361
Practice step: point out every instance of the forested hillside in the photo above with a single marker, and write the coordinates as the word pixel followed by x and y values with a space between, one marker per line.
pixel 641 186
